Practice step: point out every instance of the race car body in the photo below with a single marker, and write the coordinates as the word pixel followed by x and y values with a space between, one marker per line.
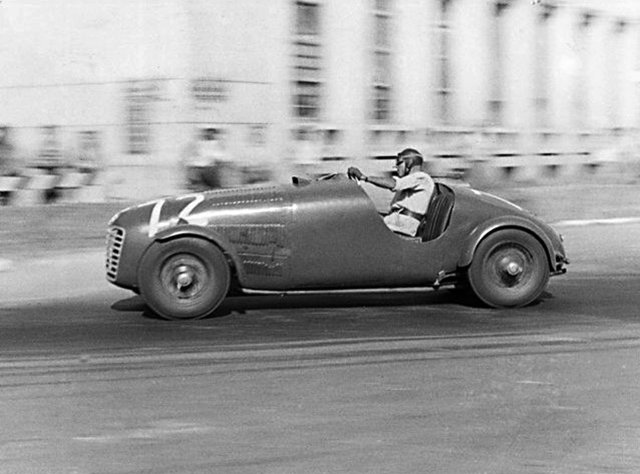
pixel 184 254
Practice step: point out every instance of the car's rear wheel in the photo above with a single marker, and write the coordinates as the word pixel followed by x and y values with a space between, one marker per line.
pixel 509 269
pixel 185 278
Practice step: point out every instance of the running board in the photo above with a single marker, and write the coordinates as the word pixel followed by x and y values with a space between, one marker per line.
pixel 413 289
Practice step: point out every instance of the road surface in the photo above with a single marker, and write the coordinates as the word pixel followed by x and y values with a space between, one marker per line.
pixel 364 384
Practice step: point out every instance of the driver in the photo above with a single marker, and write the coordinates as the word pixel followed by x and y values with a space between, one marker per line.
pixel 412 187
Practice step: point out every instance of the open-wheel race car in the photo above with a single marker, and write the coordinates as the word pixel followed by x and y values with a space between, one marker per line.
pixel 185 254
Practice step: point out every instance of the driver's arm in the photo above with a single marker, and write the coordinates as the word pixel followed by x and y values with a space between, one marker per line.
pixel 380 181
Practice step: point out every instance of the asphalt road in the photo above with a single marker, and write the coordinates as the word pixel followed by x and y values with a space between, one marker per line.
pixel 409 383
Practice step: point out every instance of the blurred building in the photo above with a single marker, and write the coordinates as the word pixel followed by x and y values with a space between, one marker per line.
pixel 297 82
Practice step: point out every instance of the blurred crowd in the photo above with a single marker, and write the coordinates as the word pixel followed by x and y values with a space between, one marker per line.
pixel 50 156
pixel 50 159
pixel 208 161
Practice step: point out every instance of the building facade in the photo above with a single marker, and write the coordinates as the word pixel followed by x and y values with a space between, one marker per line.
pixel 309 85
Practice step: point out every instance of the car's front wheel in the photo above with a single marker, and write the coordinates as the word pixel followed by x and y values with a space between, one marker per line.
pixel 185 278
pixel 509 269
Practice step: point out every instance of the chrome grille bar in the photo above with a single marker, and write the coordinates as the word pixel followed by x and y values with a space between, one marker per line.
pixel 115 241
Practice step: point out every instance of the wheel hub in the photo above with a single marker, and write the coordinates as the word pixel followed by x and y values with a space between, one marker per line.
pixel 514 268
pixel 510 269
pixel 184 277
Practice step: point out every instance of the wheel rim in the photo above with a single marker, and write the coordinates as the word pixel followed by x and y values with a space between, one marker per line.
pixel 510 266
pixel 184 277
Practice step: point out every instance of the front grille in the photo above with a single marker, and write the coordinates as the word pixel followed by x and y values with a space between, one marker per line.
pixel 115 241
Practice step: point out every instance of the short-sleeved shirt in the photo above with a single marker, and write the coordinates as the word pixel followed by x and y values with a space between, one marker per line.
pixel 413 193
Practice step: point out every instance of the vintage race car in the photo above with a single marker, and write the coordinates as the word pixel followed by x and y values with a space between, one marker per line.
pixel 185 254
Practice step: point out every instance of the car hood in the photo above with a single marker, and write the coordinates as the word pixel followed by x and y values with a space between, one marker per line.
pixel 225 205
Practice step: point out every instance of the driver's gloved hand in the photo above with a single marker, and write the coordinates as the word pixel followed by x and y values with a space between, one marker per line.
pixel 354 173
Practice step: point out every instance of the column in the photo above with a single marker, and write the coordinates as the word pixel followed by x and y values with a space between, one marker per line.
pixel 496 98
pixel 581 89
pixel 443 89
pixel 542 67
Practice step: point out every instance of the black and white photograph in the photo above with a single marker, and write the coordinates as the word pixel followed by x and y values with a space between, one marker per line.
pixel 319 236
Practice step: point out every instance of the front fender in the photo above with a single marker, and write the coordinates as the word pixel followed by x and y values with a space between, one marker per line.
pixel 499 223
pixel 204 233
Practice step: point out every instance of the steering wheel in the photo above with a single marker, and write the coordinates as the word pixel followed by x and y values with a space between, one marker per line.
pixel 327 176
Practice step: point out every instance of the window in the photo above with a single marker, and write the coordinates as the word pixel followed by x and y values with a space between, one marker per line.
pixel 308 63
pixel 382 103
pixel 382 68
pixel 382 74
pixel 307 18
pixel 383 5
pixel 307 99
pixel 139 102
pixel 382 30
pixel 307 60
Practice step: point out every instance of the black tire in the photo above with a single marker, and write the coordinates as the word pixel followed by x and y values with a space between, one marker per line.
pixel 509 269
pixel 185 278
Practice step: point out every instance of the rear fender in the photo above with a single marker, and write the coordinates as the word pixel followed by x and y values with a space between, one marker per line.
pixel 204 233
pixel 494 225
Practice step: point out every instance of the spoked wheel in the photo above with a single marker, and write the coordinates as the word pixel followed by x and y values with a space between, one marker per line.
pixel 509 269
pixel 186 278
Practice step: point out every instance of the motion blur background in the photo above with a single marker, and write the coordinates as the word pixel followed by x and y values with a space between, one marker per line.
pixel 130 99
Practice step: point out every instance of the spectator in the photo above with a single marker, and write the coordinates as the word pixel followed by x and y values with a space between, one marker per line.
pixel 202 164
pixel 8 165
pixel 50 154
pixel 89 154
